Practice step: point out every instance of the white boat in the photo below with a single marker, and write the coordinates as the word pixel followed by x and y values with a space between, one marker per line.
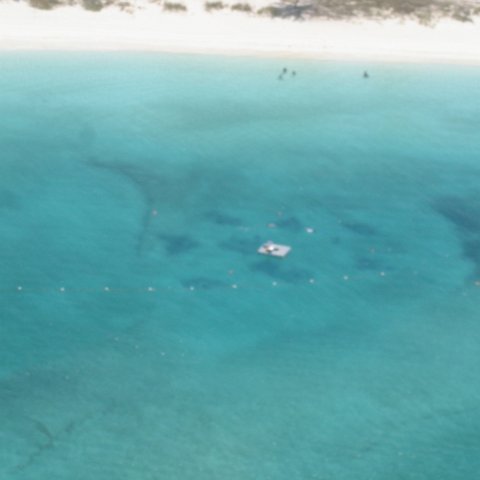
pixel 274 249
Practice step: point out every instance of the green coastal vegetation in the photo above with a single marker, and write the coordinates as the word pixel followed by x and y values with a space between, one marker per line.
pixel 209 6
pixel 424 11
pixel 242 7
pixel 174 7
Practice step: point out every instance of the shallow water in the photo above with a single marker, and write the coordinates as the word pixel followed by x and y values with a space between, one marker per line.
pixel 144 338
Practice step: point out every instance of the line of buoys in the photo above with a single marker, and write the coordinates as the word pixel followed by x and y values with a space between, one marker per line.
pixel 151 289
pixel 191 288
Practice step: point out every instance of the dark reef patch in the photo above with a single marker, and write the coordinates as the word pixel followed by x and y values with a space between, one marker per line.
pixel 161 186
pixel 273 269
pixel 220 218
pixel 471 252
pixel 145 181
pixel 360 228
pixel 146 184
pixel 178 244
pixel 463 213
pixel 241 245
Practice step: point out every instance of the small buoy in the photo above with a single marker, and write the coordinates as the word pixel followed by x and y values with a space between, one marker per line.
pixel 312 280
pixel 154 212
pixel 19 288
pixel 107 289
pixel 150 289
pixel 309 229
pixel 192 288
pixel 234 285
pixel 272 225
pixel 346 277
pixel 365 74
pixel 62 289
pixel 274 284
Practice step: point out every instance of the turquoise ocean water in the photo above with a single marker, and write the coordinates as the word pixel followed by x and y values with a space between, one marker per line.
pixel 134 192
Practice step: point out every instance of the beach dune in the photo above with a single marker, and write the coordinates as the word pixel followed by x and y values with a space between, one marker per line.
pixel 150 28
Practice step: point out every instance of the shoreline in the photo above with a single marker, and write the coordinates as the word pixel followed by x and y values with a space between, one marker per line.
pixel 23 28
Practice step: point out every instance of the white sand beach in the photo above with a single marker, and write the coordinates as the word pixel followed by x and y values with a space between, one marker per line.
pixel 149 28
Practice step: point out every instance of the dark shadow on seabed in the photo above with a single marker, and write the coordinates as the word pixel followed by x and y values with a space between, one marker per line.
pixel 464 215
pixel 185 191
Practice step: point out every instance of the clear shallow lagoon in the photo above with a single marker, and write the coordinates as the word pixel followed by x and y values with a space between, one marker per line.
pixel 354 358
